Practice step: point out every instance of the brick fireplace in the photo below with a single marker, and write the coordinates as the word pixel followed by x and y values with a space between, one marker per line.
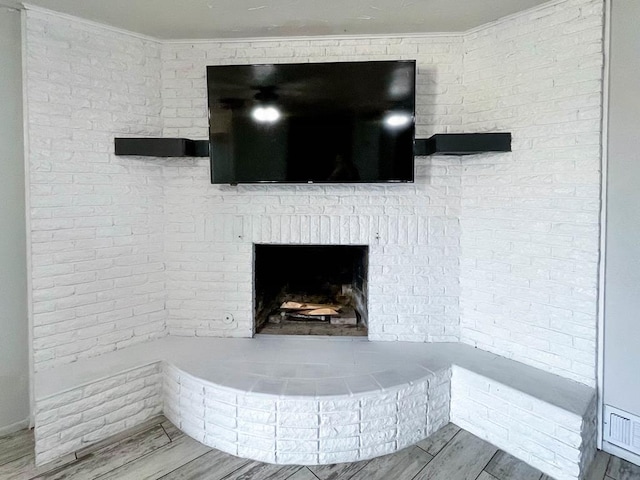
pixel 332 279
pixel 499 252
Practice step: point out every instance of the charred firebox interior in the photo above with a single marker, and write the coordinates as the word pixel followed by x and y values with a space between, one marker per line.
pixel 311 289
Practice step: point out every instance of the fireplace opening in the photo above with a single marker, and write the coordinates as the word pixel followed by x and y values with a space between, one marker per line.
pixel 310 289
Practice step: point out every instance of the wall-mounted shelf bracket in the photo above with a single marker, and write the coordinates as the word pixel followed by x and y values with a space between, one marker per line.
pixel 161 147
pixel 463 144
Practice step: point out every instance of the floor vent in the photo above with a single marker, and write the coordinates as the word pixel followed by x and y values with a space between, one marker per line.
pixel 622 429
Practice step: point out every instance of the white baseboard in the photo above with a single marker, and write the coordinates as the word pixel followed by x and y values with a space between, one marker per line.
pixel 14 427
pixel 621 452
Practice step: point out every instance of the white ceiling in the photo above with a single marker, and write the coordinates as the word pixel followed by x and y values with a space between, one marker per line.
pixel 193 19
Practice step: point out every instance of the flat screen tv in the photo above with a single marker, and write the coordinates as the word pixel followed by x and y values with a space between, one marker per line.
pixel 312 122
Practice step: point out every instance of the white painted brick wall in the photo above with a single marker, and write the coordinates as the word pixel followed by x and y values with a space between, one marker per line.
pixel 96 219
pixel 554 441
pixel 412 230
pixel 74 419
pixel 530 219
pixel 128 249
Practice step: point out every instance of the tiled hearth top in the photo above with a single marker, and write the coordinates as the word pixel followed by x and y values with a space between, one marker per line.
pixel 315 367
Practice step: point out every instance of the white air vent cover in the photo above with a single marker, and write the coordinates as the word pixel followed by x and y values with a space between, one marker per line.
pixel 622 429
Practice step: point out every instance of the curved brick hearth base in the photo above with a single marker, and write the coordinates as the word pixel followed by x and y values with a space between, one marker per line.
pixel 307 429
pixel 317 401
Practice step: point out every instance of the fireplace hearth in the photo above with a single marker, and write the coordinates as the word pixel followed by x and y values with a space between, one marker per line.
pixel 310 289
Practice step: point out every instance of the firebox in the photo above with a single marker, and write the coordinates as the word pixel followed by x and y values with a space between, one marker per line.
pixel 310 289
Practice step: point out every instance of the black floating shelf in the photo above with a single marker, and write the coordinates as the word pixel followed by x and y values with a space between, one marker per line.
pixel 162 147
pixel 463 144
pixel 441 144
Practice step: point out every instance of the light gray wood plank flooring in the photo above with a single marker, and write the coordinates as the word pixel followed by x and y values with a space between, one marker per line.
pixel 504 467
pixel 403 464
pixel 619 469
pixel 24 468
pixel 463 458
pixel 158 450
pixel 160 462
pixel 263 471
pixel 171 430
pixel 338 470
pixel 303 474
pixel 213 465
pixel 486 476
pixel 599 466
pixel 15 446
pixel 111 457
pixel 439 440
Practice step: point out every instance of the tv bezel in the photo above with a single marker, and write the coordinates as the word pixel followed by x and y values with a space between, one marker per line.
pixel 315 182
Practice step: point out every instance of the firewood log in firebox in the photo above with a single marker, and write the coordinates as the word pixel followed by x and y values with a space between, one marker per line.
pixel 308 306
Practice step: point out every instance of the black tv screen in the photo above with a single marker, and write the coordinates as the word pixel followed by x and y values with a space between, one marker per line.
pixel 312 122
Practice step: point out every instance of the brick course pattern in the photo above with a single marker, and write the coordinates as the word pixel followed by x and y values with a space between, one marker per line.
pixel 306 429
pixel 530 219
pixel 497 251
pixel 558 443
pixel 96 220
pixel 345 426
pixel 79 417
pixel 413 230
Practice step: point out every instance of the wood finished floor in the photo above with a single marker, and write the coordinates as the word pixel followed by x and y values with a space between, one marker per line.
pixel 158 450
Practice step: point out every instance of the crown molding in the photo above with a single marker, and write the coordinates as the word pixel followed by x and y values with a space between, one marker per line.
pixel 513 16
pixel 89 23
pixel 454 35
